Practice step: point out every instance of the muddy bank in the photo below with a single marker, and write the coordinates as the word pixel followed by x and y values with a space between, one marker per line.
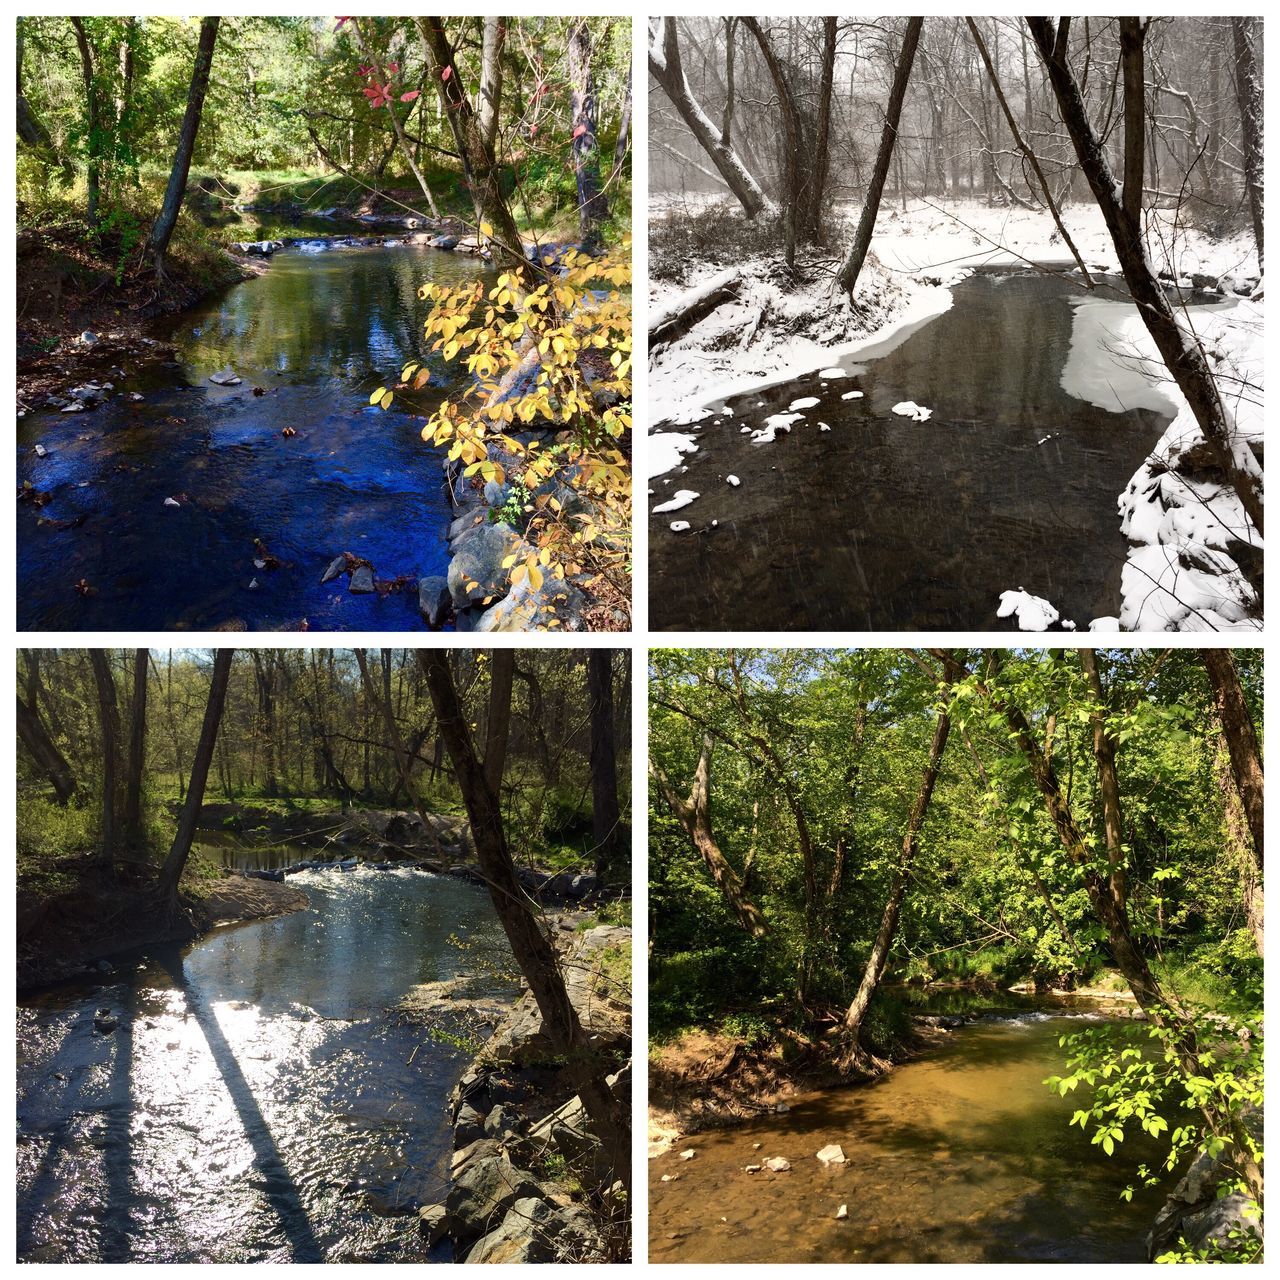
pixel 529 1180
pixel 78 928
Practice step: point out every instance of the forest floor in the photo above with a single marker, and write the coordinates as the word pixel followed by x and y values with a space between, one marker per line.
pixel 1193 556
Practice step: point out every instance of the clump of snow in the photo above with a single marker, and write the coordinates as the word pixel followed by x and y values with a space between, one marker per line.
pixel 805 402
pixel 909 409
pixel 733 480
pixel 835 372
pixel 1033 613
pixel 822 426
pixel 773 424
pixel 679 526
pixel 852 395
pixel 1105 623
pixel 682 498
pixel 665 449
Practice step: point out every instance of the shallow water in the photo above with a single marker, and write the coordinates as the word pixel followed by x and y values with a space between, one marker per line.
pixel 260 1101
pixel 962 1155
pixel 319 331
pixel 886 523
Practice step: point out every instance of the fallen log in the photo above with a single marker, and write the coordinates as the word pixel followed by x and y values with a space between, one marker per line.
pixel 668 323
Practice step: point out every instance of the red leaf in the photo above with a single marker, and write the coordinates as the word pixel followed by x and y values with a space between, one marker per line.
pixel 392 68
pixel 409 97
pixel 339 22
pixel 579 131
pixel 446 73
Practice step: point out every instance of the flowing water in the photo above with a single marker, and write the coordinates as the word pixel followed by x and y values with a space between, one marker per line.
pixel 318 332
pixel 887 523
pixel 961 1155
pixel 260 1101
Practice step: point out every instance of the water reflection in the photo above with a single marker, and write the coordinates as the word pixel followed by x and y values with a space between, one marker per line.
pixel 259 1101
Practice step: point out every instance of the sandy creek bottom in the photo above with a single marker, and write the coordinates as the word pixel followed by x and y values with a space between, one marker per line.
pixel 962 1155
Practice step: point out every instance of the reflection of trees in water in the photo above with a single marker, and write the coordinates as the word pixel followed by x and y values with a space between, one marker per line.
pixel 340 311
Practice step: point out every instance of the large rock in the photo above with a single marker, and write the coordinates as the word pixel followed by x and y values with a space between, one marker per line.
pixel 476 572
pixel 435 601
pixel 527 608
pixel 536 1230
pixel 485 1185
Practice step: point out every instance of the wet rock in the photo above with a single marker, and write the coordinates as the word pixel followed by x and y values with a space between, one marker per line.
pixel 75 407
pixel 105 1022
pixel 433 1221
pixel 529 608
pixel 362 581
pixel 501 1123
pixel 88 394
pixel 337 567
pixel 468 1126
pixel 41 451
pixel 831 1154
pixel 435 601
pixel 136 396
pixel 443 242
pixel 536 1230
pixel 776 1164
pixel 225 377
pixel 476 572
pixel 688 1155
pixel 485 1185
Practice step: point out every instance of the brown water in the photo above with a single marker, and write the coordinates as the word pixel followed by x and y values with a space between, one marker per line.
pixel 962 1155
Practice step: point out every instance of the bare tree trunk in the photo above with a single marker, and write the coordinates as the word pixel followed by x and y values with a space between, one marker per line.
pixel 176 861
pixel 694 815
pixel 822 140
pixel 44 751
pixel 879 956
pixel 623 143
pixel 162 229
pixel 606 817
pixel 888 137
pixel 529 943
pixel 593 204
pixel 666 69
pixel 401 141
pixel 1178 348
pixel 478 161
pixel 1249 97
pixel 109 724
pixel 137 748
pixel 793 203
pixel 1133 33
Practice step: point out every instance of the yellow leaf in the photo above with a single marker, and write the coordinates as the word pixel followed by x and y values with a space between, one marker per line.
pixel 387 399
pixel 377 395
pixel 486 229
pixel 535 577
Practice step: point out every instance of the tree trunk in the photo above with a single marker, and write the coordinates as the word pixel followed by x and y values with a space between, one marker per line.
pixel 31 130
pixel 666 69
pixel 593 204
pixel 793 203
pixel 1104 755
pixel 171 872
pixel 694 815
pixel 1178 348
pixel 530 945
pixel 888 137
pixel 822 140
pixel 479 165
pixel 606 816
pixel 879 956
pixel 93 123
pixel 162 229
pixel 623 143
pixel 1249 97
pixel 1133 33
pixel 44 751
pixel 109 724
pixel 137 749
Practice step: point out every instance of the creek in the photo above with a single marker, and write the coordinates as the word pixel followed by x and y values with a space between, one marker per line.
pixel 261 1100
pixel 960 1155
pixel 318 331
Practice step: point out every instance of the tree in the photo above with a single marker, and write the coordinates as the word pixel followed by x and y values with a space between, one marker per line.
pixel 593 204
pixel 606 818
pixel 31 130
pixel 530 944
pixel 44 751
pixel 794 186
pixel 1178 348
pixel 1133 32
pixel 666 68
pixel 162 228
pixel 137 749
pixel 109 725
pixel 93 120
pixel 1249 97
pixel 888 137
pixel 189 816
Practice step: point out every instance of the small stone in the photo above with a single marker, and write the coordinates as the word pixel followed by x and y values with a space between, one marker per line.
pixel 135 396
pixel 755 1146
pixel 337 566
pixel 41 451
pixel 831 1154
pixel 782 1108
pixel 753 1168
pixel 225 377
pixel 172 502
pixel 670 1177
pixel 776 1164
pixel 87 338
pixel 842 1211
pixel 362 581
pixel 688 1155
pixel 75 407
pixel 253 584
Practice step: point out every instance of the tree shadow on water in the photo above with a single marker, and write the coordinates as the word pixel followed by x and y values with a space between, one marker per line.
pixel 277 1184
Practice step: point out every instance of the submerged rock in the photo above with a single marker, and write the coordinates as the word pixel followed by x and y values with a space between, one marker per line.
pixel 225 377
pixel 831 1154
pixel 362 581
pixel 435 601
pixel 337 567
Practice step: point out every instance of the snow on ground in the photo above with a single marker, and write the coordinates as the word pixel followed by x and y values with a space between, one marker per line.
pixel 681 498
pixel 664 450
pixel 909 409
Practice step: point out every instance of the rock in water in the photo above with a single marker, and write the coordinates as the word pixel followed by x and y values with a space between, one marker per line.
pixel 842 1211
pixel 362 581
pixel 225 377
pixel 337 567
pixel 434 600
pixel 688 1155
pixel 105 1022
pixel 831 1154
pixel 776 1164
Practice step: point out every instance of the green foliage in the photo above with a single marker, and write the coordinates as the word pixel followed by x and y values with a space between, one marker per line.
pixel 46 829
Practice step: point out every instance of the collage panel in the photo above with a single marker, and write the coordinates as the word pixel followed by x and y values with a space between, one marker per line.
pixel 955 955
pixel 956 324
pixel 323 955
pixel 324 324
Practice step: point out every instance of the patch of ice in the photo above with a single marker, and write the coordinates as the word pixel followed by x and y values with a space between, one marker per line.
pixel 682 498
pixel 665 448
pixel 909 409
pixel 1033 613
